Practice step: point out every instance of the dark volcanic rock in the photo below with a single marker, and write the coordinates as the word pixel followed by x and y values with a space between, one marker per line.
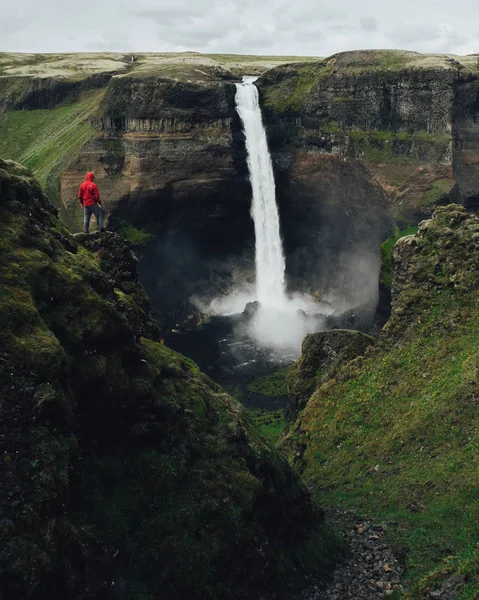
pixel 371 569
pixel 250 310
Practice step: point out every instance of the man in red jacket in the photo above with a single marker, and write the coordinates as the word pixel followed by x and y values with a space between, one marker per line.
pixel 89 197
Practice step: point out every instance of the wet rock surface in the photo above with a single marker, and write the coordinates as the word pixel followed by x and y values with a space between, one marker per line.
pixel 370 571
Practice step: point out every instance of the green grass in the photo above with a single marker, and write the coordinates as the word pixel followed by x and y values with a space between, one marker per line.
pixel 386 146
pixel 47 141
pixel 289 95
pixel 402 439
pixel 270 423
pixel 273 384
pixel 396 435
pixel 440 189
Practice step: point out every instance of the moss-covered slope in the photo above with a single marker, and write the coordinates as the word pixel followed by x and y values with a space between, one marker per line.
pixel 397 431
pixel 126 472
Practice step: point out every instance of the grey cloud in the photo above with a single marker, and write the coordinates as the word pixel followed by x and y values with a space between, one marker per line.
pixel 319 27
pixel 171 15
pixel 414 34
pixel 369 24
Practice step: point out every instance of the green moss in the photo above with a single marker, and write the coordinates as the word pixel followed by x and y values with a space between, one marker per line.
pixel 396 434
pixel 178 479
pixel 386 146
pixel 290 94
pixel 306 383
pixel 386 253
pixel 270 424
pixel 136 237
pixel 439 191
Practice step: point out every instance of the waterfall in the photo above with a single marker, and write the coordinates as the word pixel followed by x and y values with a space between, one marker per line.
pixel 270 265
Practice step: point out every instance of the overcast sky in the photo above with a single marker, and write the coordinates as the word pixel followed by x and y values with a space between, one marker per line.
pixel 301 27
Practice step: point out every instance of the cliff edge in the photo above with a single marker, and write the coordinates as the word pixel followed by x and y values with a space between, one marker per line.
pixel 126 472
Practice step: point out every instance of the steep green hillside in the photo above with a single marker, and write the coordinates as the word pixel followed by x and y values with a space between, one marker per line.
pixel 48 140
pixel 396 433
pixel 126 472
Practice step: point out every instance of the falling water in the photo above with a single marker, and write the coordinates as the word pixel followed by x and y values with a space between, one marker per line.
pixel 270 288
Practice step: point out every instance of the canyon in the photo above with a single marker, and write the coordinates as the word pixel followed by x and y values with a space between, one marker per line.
pixel 119 454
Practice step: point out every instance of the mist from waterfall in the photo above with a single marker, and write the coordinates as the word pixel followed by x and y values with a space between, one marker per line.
pixel 269 259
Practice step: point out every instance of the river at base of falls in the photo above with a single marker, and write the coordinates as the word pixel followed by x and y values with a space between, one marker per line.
pixel 223 350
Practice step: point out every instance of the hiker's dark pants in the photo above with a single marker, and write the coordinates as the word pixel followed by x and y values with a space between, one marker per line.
pixel 89 210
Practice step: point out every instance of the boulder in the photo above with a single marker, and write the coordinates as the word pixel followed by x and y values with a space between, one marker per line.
pixel 250 310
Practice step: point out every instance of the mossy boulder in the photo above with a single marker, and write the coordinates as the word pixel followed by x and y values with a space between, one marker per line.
pixel 322 354
pixel 126 472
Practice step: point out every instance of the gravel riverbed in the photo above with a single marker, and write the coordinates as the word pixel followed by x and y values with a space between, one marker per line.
pixel 371 571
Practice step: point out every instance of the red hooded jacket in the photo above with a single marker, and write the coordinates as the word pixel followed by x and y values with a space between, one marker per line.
pixel 88 192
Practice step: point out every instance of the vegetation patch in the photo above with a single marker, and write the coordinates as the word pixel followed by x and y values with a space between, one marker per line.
pixel 47 141
pixel 440 190
pixel 396 433
pixel 289 95
pixel 184 496
pixel 386 253
pixel 136 237
pixel 273 384
pixel 270 423
pixel 386 146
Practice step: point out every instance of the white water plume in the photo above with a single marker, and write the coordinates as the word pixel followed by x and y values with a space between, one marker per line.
pixel 281 322
pixel 269 248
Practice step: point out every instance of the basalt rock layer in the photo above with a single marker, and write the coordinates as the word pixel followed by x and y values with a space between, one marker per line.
pixel 126 472
pixel 411 118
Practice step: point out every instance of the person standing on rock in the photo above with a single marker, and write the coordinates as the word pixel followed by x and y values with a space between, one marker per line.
pixel 89 197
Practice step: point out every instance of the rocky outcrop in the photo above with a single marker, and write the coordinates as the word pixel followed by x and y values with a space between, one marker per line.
pixel 125 471
pixel 322 355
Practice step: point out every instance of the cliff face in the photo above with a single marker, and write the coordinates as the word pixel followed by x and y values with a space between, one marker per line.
pixel 163 138
pixel 125 471
pixel 169 156
pixel 410 118
pixel 395 432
